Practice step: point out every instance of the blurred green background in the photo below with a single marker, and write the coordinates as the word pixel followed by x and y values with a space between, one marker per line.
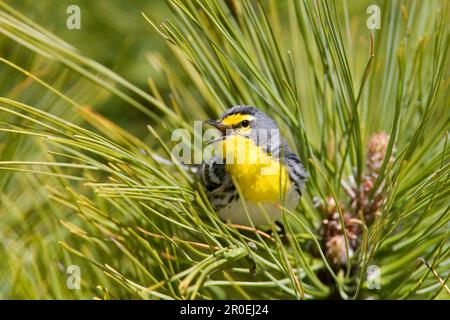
pixel 115 34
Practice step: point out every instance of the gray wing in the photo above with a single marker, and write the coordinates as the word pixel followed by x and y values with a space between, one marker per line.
pixel 297 172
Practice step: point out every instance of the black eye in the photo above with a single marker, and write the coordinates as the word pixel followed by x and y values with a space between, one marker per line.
pixel 245 123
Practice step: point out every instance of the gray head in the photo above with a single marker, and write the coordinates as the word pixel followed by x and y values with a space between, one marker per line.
pixel 251 123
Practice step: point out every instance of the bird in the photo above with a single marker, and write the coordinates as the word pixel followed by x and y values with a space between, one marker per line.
pixel 254 162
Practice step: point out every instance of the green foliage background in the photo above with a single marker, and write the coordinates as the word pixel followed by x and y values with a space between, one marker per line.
pixel 81 117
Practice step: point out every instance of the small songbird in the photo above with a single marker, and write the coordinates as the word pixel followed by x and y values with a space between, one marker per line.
pixel 254 162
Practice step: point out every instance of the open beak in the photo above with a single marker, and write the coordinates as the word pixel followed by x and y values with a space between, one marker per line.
pixel 217 124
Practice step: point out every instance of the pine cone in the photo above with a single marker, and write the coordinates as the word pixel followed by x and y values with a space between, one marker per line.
pixel 360 202
pixel 333 233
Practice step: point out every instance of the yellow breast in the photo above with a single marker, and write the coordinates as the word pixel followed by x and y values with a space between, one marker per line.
pixel 260 177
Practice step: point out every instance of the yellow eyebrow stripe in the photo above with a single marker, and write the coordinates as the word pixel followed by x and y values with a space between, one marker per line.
pixel 235 119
